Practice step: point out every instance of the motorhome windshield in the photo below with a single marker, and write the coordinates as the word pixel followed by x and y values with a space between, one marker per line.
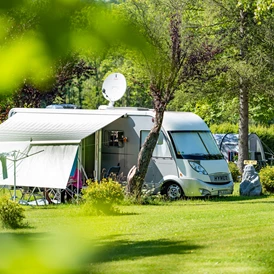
pixel 198 145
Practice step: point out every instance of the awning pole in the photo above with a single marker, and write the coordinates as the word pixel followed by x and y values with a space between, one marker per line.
pixel 78 170
pixel 14 177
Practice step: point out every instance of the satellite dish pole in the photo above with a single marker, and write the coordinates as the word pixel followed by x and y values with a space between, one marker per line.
pixel 114 87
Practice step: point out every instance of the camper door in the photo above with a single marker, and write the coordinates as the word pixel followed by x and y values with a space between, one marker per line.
pixel 161 163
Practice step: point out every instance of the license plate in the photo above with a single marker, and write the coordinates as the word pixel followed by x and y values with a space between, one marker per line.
pixel 224 192
pixel 220 178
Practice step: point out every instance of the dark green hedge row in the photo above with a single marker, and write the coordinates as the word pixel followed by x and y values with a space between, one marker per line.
pixel 265 133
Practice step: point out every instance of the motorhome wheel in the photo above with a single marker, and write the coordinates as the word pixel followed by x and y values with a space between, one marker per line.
pixel 173 191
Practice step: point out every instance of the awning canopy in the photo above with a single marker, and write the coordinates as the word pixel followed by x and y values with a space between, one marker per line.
pixel 59 134
pixel 46 166
pixel 53 126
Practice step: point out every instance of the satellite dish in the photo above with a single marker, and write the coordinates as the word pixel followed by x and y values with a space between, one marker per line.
pixel 114 87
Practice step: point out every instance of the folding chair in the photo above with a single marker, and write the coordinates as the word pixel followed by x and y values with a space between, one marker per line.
pixel 113 171
pixel 32 192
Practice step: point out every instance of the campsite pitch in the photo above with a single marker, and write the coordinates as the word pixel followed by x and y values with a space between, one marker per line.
pixel 225 235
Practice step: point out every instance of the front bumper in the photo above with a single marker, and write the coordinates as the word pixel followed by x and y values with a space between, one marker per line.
pixel 198 188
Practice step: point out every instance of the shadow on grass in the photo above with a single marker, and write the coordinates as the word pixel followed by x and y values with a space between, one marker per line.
pixel 22 237
pixel 108 249
pixel 203 200
pixel 239 198
pixel 74 255
pixel 46 253
pixel 128 250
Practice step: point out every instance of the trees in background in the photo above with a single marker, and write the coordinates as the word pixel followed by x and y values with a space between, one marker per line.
pixel 243 88
pixel 247 59
pixel 66 87
pixel 178 57
pixel 211 57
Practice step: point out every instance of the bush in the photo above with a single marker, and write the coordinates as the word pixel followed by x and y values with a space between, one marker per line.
pixel 267 178
pixel 224 128
pixel 235 172
pixel 11 213
pixel 101 198
pixel 146 198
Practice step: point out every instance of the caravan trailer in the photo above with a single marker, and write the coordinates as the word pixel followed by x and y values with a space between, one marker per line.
pixel 185 162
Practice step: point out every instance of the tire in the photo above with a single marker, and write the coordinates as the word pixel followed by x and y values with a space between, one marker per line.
pixel 173 191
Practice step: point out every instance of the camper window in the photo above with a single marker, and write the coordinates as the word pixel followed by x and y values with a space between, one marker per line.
pixel 114 138
pixel 161 149
pixel 195 145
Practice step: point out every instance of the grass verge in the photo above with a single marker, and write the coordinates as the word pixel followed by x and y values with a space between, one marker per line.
pixel 226 235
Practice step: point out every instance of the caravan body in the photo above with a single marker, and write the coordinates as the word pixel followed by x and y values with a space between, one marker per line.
pixel 186 160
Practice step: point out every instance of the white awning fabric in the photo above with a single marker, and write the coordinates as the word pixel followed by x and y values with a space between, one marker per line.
pixel 53 126
pixel 58 134
pixel 46 166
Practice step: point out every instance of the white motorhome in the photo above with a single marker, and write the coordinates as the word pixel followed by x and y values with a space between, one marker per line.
pixel 186 160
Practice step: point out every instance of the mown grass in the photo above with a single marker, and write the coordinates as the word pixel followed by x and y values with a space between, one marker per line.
pixel 225 235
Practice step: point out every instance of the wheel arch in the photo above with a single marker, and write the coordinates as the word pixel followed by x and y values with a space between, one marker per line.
pixel 169 182
pixel 171 179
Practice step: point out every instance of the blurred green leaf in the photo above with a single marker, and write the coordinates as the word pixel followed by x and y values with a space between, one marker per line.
pixel 35 34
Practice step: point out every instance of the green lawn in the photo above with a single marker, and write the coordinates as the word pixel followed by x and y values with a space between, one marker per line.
pixel 225 235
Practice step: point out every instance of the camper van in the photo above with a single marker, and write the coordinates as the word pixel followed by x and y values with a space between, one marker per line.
pixel 185 162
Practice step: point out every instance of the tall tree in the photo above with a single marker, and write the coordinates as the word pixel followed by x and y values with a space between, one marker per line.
pixel 243 41
pixel 243 92
pixel 177 56
pixel 246 46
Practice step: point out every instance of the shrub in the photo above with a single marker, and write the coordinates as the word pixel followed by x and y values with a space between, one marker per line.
pixel 235 172
pixel 146 198
pixel 101 198
pixel 224 128
pixel 11 213
pixel 267 178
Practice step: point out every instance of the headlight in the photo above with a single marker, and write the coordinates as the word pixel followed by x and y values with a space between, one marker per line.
pixel 197 167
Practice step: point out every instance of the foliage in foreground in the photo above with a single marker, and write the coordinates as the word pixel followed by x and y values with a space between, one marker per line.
pixel 102 197
pixel 11 213
pixel 267 178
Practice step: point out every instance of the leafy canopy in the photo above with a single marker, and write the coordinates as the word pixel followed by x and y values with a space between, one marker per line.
pixel 34 34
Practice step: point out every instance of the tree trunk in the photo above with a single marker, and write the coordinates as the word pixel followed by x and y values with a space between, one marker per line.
pixel 138 173
pixel 243 109
pixel 161 94
pixel 243 126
